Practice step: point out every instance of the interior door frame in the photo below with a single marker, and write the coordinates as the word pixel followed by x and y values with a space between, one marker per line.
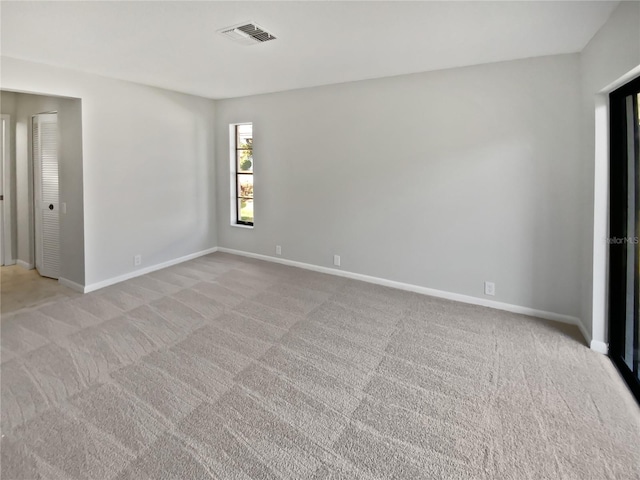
pixel 7 210
pixel 618 221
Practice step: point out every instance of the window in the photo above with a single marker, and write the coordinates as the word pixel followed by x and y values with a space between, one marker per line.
pixel 242 152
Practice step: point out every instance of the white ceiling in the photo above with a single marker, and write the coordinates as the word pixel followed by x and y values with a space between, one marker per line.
pixel 175 45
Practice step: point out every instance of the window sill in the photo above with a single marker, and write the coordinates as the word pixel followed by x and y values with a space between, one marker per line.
pixel 239 225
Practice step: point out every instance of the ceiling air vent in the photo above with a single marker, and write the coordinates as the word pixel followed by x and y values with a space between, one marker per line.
pixel 248 33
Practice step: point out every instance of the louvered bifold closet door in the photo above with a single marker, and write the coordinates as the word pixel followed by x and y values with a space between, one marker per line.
pixel 45 155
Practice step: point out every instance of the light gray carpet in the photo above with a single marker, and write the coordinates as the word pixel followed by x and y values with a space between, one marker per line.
pixel 231 368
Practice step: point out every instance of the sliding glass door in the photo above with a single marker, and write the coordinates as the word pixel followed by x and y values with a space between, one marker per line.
pixel 624 248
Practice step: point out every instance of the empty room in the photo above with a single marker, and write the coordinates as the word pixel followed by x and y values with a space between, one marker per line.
pixel 320 240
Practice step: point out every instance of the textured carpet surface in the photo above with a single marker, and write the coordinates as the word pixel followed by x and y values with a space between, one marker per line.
pixel 231 368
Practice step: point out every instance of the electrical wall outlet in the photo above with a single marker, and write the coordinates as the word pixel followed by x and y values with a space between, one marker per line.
pixel 137 260
pixel 489 288
pixel 278 250
pixel 336 260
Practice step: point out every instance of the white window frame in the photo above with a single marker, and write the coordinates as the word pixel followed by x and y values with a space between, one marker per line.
pixel 233 198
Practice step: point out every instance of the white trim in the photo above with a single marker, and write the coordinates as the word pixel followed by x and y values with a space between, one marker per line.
pixel 25 265
pixel 144 271
pixel 7 216
pixel 626 78
pixel 600 347
pixel 557 317
pixel 600 260
pixel 72 285
pixel 233 199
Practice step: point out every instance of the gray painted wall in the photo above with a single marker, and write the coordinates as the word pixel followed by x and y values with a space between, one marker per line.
pixel 443 179
pixel 148 169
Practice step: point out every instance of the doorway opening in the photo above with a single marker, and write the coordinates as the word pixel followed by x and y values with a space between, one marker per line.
pixel 47 212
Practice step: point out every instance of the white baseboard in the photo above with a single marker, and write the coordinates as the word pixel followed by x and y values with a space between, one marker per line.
pixel 72 285
pixel 25 265
pixel 143 271
pixel 599 347
pixel 557 317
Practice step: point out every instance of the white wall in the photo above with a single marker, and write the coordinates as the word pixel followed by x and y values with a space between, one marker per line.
pixel 611 54
pixel 442 179
pixel 148 169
